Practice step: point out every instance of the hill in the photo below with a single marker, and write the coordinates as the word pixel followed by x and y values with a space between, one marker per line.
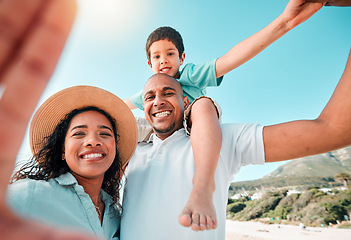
pixel 318 170
pixel 322 165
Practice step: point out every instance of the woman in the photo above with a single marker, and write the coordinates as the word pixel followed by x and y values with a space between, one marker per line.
pixel 81 139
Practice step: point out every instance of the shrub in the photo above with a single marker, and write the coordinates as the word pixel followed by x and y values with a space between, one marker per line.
pixel 304 199
pixel 313 214
pixel 282 211
pixel 236 207
pixel 289 200
pixel 334 212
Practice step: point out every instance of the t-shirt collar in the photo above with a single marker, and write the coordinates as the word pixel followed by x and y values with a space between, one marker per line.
pixel 66 179
pixel 177 133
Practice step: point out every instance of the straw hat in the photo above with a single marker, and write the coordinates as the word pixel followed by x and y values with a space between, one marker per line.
pixel 63 102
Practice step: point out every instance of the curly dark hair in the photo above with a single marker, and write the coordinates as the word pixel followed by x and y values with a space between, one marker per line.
pixel 162 33
pixel 48 164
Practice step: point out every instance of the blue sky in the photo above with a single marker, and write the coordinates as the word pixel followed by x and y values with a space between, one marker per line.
pixel 292 79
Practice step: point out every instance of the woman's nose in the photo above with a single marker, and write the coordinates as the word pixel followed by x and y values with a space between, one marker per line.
pixel 92 141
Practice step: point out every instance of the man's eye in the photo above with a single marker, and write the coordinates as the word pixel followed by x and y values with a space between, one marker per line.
pixel 149 98
pixel 169 94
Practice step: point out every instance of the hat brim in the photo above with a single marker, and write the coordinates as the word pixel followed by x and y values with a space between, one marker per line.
pixel 55 108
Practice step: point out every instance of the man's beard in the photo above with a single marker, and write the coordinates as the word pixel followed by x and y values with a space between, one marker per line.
pixel 169 129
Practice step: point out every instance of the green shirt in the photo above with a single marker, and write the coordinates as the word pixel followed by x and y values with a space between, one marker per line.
pixel 194 80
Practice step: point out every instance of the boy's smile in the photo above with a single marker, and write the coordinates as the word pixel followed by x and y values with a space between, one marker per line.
pixel 165 58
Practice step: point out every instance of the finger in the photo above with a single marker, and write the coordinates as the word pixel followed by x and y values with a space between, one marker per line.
pixel 15 18
pixel 14 228
pixel 26 76
pixel 28 73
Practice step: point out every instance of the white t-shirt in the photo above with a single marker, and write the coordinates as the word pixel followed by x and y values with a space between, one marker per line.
pixel 159 182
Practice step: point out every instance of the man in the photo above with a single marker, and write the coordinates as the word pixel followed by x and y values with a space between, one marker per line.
pixel 159 176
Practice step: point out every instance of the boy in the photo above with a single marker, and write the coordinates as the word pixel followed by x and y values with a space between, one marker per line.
pixel 165 52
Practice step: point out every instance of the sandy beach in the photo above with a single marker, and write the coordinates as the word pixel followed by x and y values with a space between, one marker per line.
pixel 236 230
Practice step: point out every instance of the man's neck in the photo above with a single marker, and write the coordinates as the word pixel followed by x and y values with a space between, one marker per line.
pixel 164 136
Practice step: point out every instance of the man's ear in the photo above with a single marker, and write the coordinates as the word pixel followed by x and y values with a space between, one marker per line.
pixel 149 63
pixel 186 102
pixel 181 60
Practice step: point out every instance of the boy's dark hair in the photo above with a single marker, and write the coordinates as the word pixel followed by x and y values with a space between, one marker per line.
pixel 162 33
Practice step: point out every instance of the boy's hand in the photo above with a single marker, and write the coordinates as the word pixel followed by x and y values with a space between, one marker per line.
pixel 298 11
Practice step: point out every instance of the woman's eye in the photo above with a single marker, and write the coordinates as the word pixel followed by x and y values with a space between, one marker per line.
pixel 78 134
pixel 106 134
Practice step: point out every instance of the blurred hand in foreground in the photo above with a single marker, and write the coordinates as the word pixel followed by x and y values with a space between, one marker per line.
pixel 32 36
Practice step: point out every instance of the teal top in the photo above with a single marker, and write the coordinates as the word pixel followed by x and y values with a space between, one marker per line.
pixel 62 203
pixel 194 80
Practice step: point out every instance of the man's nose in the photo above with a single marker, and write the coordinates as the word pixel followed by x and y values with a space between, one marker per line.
pixel 159 101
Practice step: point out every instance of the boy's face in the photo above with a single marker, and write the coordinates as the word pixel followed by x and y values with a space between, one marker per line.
pixel 165 58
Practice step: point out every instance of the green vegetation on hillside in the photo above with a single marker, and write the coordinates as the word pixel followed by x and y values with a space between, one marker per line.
pixel 313 207
pixel 279 182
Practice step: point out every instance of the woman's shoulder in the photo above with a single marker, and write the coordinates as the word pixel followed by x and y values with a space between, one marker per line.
pixel 31 189
pixel 28 184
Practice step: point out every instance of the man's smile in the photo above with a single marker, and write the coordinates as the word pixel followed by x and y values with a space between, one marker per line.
pixel 162 114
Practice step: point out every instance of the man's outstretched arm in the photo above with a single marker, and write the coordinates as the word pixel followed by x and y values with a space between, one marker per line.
pixel 330 131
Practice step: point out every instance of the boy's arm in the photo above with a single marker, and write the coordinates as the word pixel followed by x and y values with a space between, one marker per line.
pixel 296 12
pixel 330 131
pixel 129 104
pixel 135 101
